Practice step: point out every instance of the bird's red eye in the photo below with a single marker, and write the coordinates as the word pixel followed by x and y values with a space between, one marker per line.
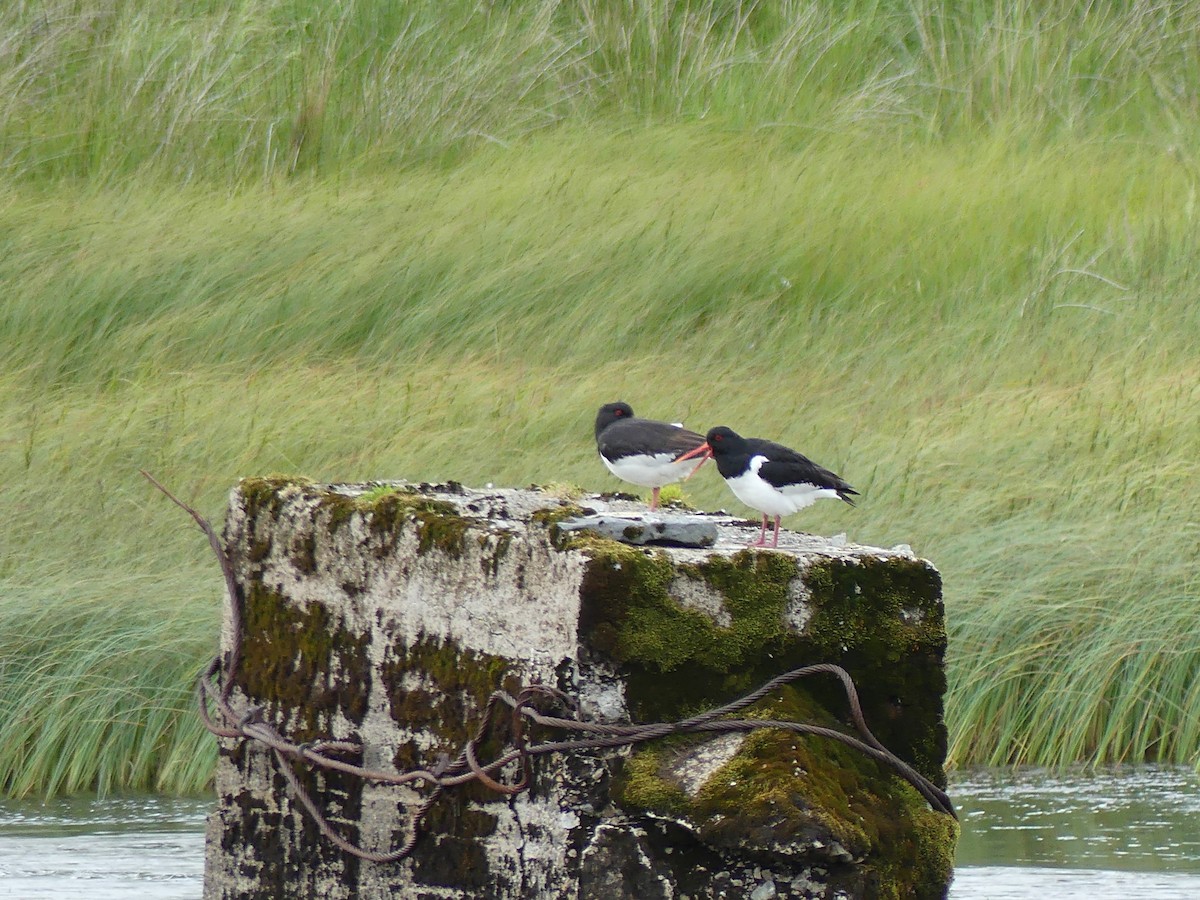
pixel 716 437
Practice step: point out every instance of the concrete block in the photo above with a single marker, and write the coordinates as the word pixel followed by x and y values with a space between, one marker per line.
pixel 387 614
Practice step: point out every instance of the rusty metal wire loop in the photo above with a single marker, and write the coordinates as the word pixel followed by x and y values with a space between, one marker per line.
pixel 214 689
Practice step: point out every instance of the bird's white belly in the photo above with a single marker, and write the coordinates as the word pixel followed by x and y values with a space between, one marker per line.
pixel 650 470
pixel 765 497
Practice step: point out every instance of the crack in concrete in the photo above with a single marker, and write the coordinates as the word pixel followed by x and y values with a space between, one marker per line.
pixel 513 804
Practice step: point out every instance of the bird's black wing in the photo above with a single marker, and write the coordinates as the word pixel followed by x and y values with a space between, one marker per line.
pixel 785 466
pixel 632 437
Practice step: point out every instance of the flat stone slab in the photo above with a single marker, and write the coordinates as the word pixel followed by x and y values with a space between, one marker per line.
pixel 652 528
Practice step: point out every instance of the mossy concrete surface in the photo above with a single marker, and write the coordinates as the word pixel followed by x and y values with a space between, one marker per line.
pixel 387 614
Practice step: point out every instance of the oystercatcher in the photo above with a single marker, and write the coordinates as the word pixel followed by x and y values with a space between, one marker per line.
pixel 643 451
pixel 769 477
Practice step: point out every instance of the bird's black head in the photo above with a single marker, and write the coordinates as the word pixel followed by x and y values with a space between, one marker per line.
pixel 724 441
pixel 612 412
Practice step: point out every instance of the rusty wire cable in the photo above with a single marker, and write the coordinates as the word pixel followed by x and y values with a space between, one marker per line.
pixel 249 725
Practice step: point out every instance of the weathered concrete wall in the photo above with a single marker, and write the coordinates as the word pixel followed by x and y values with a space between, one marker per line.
pixel 389 617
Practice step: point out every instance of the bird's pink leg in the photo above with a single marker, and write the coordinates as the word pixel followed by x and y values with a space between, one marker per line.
pixel 654 499
pixel 775 543
pixel 762 533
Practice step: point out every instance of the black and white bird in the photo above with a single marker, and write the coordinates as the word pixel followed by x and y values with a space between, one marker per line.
pixel 642 451
pixel 769 477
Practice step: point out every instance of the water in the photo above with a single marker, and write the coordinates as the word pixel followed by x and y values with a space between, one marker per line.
pixel 137 848
pixel 1026 836
pixel 1087 835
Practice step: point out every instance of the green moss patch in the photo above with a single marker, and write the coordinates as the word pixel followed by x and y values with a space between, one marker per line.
pixel 439 688
pixel 301 661
pixel 266 493
pixel 782 788
pixel 642 783
pixel 883 621
pixel 673 497
pixel 386 510
pixel 550 517
pixel 880 619
pixel 679 659
pixel 439 526
pixel 887 608
pixel 629 614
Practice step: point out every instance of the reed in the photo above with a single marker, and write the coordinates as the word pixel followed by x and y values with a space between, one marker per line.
pixel 257 89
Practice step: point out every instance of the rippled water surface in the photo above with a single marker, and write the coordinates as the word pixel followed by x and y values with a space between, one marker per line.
pixel 1085 835
pixel 113 849
pixel 1029 835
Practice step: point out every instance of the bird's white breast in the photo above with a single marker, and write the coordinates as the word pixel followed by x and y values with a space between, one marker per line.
pixel 758 494
pixel 650 470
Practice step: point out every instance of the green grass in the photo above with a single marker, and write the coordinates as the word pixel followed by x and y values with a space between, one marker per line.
pixel 255 89
pixel 95 679
pixel 950 256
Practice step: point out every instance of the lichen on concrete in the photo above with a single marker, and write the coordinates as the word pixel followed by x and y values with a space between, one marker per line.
pixel 439 689
pixel 388 613
pixel 300 661
pixel 385 509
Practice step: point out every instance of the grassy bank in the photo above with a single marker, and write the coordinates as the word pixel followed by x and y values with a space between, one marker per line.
pixel 245 90
pixel 976 303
